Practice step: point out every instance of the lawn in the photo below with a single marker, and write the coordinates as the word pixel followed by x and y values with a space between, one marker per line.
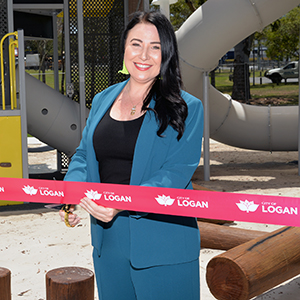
pixel 49 77
pixel 262 94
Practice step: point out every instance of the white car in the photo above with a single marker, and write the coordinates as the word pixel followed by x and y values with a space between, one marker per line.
pixel 291 70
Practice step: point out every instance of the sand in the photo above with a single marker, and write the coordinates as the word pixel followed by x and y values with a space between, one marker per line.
pixel 35 241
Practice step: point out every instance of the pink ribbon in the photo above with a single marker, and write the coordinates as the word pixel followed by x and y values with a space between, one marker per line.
pixel 192 203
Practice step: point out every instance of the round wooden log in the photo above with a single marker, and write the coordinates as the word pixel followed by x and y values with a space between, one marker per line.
pixel 215 221
pixel 256 266
pixel 224 237
pixel 198 187
pixel 5 286
pixel 70 283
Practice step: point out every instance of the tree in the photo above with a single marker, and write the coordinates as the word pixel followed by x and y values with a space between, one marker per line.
pixel 44 48
pixel 181 10
pixel 282 37
pixel 241 84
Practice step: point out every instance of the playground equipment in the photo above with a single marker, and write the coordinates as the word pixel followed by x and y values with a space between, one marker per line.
pixel 203 39
pixel 207 35
pixel 5 285
pixel 69 283
pixel 57 115
pixel 13 122
pixel 213 29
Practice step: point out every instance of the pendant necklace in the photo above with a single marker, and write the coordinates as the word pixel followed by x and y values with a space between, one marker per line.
pixel 133 109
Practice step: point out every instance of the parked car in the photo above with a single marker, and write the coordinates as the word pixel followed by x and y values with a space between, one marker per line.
pixel 32 61
pixel 291 70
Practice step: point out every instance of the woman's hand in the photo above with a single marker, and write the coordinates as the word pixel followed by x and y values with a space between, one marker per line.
pixel 73 218
pixel 104 214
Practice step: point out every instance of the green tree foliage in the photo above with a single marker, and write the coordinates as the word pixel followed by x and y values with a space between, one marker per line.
pixel 282 37
pixel 179 13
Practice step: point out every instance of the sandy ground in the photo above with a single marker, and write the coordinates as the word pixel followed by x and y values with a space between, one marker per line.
pixel 34 241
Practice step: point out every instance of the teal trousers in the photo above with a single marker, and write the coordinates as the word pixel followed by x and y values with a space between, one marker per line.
pixel 117 279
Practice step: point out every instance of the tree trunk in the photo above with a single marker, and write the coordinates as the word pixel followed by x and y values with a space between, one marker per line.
pixel 213 78
pixel 241 83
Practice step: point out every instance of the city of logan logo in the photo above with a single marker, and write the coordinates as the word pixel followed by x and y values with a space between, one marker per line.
pixel 93 195
pixel 165 200
pixel 248 206
pixel 29 190
pixel 43 191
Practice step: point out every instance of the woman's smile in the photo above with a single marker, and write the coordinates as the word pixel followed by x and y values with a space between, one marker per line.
pixel 142 67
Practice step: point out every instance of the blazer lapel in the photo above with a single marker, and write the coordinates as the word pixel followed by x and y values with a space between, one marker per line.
pixel 143 146
pixel 105 104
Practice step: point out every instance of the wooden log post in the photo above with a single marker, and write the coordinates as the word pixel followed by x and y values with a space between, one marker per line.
pixel 223 237
pixel 70 283
pixel 5 285
pixel 198 187
pixel 256 266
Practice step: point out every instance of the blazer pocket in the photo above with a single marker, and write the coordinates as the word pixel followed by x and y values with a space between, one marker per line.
pixel 162 240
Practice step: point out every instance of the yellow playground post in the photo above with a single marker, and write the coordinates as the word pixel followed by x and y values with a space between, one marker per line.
pixel 11 153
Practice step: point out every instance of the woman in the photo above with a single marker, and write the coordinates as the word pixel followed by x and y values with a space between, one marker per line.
pixel 145 131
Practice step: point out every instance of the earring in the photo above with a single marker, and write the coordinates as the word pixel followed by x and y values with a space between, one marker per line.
pixel 124 69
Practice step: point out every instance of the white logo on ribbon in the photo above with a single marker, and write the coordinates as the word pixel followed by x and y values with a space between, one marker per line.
pixel 248 206
pixel 165 200
pixel 93 195
pixel 29 190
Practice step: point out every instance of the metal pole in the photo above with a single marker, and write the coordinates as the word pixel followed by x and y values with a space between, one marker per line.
pixel 55 72
pixel 126 13
pixel 146 5
pixel 22 95
pixel 10 15
pixel 206 127
pixel 55 52
pixel 165 8
pixel 81 64
pixel 67 44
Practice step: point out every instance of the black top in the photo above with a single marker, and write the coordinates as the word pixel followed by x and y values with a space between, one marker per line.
pixel 114 143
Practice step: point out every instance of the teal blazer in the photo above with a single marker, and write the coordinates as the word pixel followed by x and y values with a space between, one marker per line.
pixel 159 162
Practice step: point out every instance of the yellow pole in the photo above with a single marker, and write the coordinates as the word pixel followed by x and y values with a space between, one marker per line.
pixel 12 73
pixel 2 65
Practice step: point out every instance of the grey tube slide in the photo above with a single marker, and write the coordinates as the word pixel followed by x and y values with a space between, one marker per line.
pixel 52 117
pixel 203 39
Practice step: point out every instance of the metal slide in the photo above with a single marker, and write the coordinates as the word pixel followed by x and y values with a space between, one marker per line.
pixel 203 39
pixel 52 117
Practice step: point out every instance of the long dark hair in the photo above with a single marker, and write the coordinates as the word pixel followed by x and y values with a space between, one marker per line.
pixel 170 108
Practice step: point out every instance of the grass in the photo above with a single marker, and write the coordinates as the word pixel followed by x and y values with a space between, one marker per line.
pixel 265 94
pixel 49 77
pixel 261 94
pixel 98 78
